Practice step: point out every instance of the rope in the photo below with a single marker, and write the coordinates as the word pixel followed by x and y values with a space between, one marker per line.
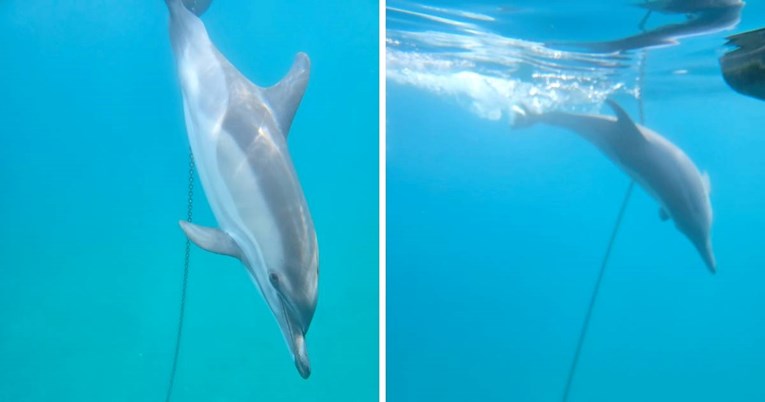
pixel 614 232
pixel 595 291
pixel 186 257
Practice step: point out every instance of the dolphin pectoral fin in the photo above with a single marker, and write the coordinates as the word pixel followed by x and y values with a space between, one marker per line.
pixel 626 125
pixel 663 215
pixel 211 239
pixel 707 182
pixel 284 97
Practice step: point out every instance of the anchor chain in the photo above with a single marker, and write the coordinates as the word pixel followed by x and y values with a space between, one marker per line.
pixel 184 286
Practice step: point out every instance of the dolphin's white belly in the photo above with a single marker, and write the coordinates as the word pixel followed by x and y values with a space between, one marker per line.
pixel 206 100
pixel 249 181
pixel 241 155
pixel 242 200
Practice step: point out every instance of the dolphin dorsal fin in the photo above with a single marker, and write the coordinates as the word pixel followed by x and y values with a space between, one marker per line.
pixel 624 121
pixel 284 97
pixel 211 239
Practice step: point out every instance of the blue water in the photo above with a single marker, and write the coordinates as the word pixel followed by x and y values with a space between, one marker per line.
pixel 93 168
pixel 495 237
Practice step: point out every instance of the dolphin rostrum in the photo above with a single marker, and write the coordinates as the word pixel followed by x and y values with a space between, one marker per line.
pixel 238 135
pixel 659 166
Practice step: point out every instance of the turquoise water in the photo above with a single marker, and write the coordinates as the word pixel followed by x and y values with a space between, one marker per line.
pixel 495 237
pixel 93 168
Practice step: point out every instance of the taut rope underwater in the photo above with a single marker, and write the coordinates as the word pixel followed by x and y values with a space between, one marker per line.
pixel 614 232
pixel 184 286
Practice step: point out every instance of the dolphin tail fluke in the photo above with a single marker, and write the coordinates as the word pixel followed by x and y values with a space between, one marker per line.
pixel 523 117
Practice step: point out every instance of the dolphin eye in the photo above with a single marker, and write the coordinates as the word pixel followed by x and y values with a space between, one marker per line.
pixel 274 279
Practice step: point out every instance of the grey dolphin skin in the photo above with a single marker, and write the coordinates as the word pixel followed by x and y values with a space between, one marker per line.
pixel 660 167
pixel 238 135
pixel 703 17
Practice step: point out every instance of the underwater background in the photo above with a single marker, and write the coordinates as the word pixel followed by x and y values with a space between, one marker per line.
pixel 495 236
pixel 93 180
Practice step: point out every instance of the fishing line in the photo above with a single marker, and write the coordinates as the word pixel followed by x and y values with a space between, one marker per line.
pixel 614 231
pixel 596 290
pixel 184 286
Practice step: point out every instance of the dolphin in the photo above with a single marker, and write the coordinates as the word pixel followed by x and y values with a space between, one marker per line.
pixel 657 165
pixel 238 136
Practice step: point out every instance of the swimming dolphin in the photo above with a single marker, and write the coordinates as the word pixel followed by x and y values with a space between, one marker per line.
pixel 702 17
pixel 659 166
pixel 238 135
